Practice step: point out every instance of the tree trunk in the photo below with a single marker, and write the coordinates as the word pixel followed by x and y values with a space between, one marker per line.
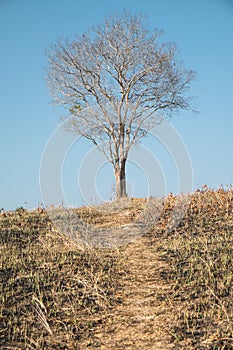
pixel 120 180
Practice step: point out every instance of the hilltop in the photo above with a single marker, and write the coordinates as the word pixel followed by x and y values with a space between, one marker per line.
pixel 169 288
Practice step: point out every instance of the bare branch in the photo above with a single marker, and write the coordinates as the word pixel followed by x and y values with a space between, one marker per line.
pixel 120 75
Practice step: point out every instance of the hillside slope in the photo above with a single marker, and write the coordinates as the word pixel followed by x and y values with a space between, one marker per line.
pixel 168 289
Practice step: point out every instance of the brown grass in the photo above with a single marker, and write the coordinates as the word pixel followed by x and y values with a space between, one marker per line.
pixel 169 289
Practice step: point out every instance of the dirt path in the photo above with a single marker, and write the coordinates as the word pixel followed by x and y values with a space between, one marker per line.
pixel 140 320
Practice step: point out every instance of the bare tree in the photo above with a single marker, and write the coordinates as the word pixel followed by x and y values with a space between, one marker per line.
pixel 113 81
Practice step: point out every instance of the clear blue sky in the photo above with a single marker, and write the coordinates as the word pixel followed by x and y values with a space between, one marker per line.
pixel 203 31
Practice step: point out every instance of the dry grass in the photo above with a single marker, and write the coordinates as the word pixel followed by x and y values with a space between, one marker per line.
pixel 170 289
pixel 200 254
pixel 52 291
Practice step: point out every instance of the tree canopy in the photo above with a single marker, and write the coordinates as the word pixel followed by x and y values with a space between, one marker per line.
pixel 115 81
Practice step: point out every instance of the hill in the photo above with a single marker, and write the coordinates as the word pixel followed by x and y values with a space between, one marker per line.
pixel 170 288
